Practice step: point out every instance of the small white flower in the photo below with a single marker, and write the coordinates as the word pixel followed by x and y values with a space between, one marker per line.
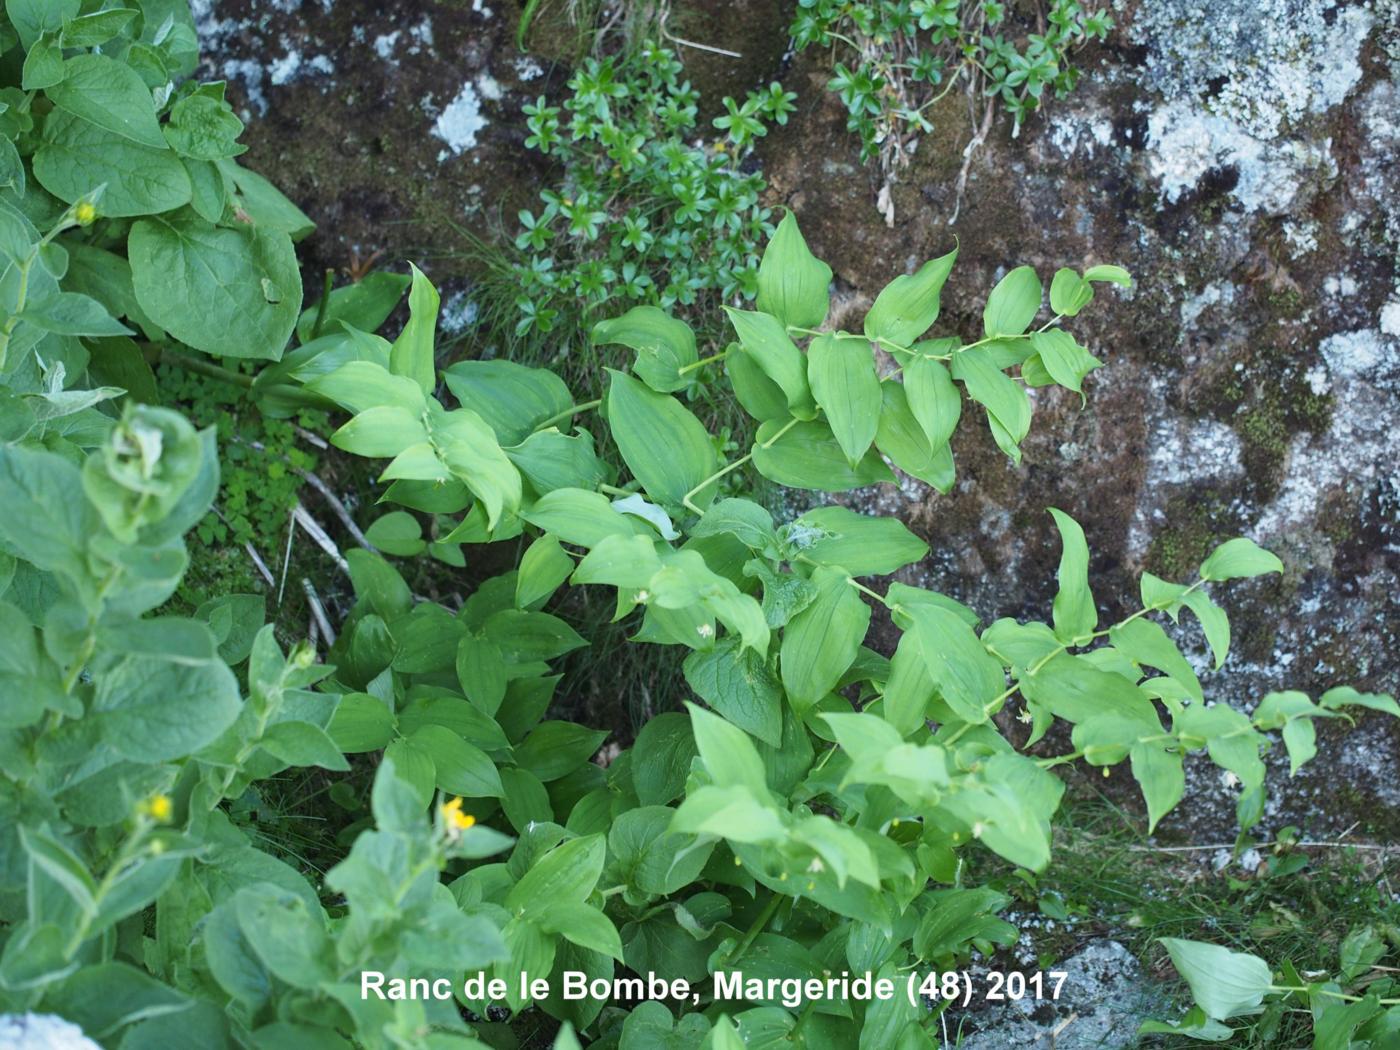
pixel 1229 779
pixel 816 865
pixel 643 595
pixel 706 630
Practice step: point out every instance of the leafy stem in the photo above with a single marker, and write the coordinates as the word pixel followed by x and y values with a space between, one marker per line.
pixel 687 499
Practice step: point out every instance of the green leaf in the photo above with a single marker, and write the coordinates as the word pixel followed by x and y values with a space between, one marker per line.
pixel 97 28
pixel 901 438
pixel 555 749
pixel 1074 613
pixel 361 723
pixel 793 284
pixel 364 304
pixel 661 758
pixel 461 768
pixel 246 282
pixel 738 683
pixel 265 204
pixel 31 18
pixel 907 307
pixel 543 567
pixel 1066 361
pixel 764 339
pixel 379 584
pixel 303 744
pixel 664 445
pixel 77 157
pixel 807 456
pixel 1239 558
pixel 933 398
pixel 822 640
pixel 841 372
pixel 397 533
pixel 513 398
pixel 1013 304
pixel 1069 293
pixel 155 710
pixel 664 345
pixel 1113 274
pixel 45 516
pixel 968 677
pixel 564 876
pixel 43 66
pixel 1223 983
pixel 578 517
pixel 290 941
pixel 1160 776
pixel 202 127
pixel 412 352
pixel 110 94
pixel 587 927
pixel 758 395
pixel 69 313
pixel 1008 408
pixel 382 431
pixel 728 754
pixel 1214 622
pixel 861 544
pixel 468 449
pixel 1144 642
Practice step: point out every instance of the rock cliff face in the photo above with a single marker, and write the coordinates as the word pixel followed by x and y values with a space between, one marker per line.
pixel 1239 157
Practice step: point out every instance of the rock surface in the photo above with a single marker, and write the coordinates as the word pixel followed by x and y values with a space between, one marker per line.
pixel 1239 157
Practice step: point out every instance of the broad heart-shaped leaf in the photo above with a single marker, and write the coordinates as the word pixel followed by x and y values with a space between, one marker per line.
pixel 664 346
pixel 664 445
pixel 77 157
pixel 156 710
pixel 111 95
pixel 822 640
pixel 468 448
pixel 861 544
pixel 412 352
pixel 969 678
pixel 1074 612
pixel 764 339
pixel 233 293
pixel 907 307
pixel 841 372
pixel 1066 361
pixel 738 683
pixel 1008 408
pixel 1013 304
pixel 900 437
pixel 933 398
pixel 807 456
pixel 1224 984
pixel 1238 558
pixel 514 399
pixel 793 284
pixel 71 313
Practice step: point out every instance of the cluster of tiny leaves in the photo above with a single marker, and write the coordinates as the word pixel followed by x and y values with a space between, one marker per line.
pixel 643 212
pixel 900 56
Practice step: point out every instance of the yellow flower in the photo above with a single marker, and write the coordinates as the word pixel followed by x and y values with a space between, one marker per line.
pixel 85 213
pixel 453 816
pixel 158 808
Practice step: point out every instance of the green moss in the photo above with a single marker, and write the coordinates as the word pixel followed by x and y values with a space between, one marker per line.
pixel 1197 522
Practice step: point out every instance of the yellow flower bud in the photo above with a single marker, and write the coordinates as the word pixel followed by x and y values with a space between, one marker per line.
pixel 454 818
pixel 85 213
pixel 158 808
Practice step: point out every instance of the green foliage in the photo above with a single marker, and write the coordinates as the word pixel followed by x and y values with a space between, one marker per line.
pixel 643 213
pixel 905 55
pixel 146 208
pixel 822 791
